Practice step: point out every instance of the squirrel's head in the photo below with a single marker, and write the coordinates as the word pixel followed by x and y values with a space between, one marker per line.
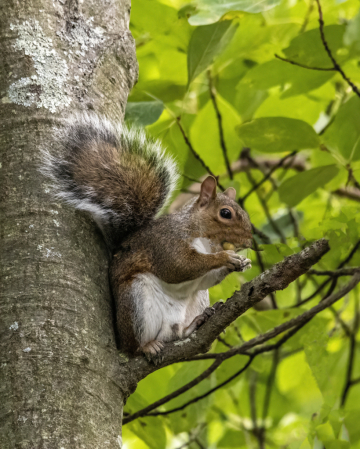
pixel 225 220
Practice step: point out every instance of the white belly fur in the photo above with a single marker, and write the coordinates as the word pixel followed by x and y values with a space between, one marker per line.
pixel 165 310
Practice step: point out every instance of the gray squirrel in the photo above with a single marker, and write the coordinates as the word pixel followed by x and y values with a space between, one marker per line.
pixel 161 266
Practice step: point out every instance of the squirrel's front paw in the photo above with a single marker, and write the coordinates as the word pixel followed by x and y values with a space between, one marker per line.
pixel 236 262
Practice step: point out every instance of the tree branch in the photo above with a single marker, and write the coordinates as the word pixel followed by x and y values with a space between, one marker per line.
pixel 294 324
pixel 276 278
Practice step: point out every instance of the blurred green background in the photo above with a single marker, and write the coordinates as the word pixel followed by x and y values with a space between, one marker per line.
pixel 208 68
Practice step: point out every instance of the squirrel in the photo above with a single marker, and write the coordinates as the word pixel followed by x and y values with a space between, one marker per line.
pixel 161 266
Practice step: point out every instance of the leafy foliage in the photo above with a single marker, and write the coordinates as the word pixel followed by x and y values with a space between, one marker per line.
pixel 196 57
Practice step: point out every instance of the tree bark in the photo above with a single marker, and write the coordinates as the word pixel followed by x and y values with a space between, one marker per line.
pixel 60 381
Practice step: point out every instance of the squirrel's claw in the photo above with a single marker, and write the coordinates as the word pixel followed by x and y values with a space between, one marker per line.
pixel 238 262
pixel 153 348
pixel 207 313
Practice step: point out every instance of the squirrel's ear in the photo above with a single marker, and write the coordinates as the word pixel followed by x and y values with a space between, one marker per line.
pixel 231 193
pixel 208 191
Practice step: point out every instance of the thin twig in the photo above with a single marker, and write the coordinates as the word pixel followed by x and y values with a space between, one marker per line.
pixel 198 398
pixel 220 124
pixel 333 284
pixel 253 408
pixel 304 317
pixel 268 175
pixel 304 66
pixel 270 383
pixel 350 256
pixel 193 437
pixel 313 295
pixel 335 273
pixel 224 342
pixel 336 67
pixel 352 178
pixel 350 367
pixel 307 17
pixel 342 323
pixel 328 51
pixel 189 178
pixel 265 238
pixel 195 154
pixel 262 267
pixel 178 392
pixel 266 210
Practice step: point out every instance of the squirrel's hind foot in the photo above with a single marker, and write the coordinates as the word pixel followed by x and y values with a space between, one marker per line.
pixel 199 320
pixel 152 350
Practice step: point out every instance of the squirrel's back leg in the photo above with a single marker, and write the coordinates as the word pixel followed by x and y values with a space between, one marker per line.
pixel 138 323
pixel 138 319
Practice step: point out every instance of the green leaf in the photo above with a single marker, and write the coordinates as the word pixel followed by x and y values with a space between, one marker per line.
pixel 337 444
pixel 143 113
pixel 315 342
pixel 343 135
pixel 293 80
pixel 285 223
pixel 206 43
pixel 352 419
pixel 325 432
pixel 210 11
pixel 232 438
pixel 151 430
pixel 308 107
pixel 294 375
pixel 298 49
pixel 206 140
pixel 152 17
pixel 295 189
pixel 184 420
pixel 277 134
pixel 352 33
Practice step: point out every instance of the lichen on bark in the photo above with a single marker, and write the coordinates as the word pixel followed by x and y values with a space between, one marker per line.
pixel 60 379
pixel 47 87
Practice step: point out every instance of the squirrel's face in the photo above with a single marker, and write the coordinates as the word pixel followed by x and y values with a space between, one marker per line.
pixel 225 220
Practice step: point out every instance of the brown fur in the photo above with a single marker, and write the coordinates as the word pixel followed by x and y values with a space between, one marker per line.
pixel 106 167
pixel 163 248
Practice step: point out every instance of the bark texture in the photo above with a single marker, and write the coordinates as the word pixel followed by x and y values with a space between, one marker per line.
pixel 60 378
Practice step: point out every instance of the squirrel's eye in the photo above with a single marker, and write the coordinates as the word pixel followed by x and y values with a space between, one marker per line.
pixel 225 213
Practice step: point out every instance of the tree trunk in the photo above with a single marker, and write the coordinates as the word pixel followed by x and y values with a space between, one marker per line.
pixel 60 378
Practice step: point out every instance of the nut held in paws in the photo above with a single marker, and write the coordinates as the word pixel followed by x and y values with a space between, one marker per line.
pixel 228 246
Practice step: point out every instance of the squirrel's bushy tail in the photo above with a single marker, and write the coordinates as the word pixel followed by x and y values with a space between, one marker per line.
pixel 118 174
